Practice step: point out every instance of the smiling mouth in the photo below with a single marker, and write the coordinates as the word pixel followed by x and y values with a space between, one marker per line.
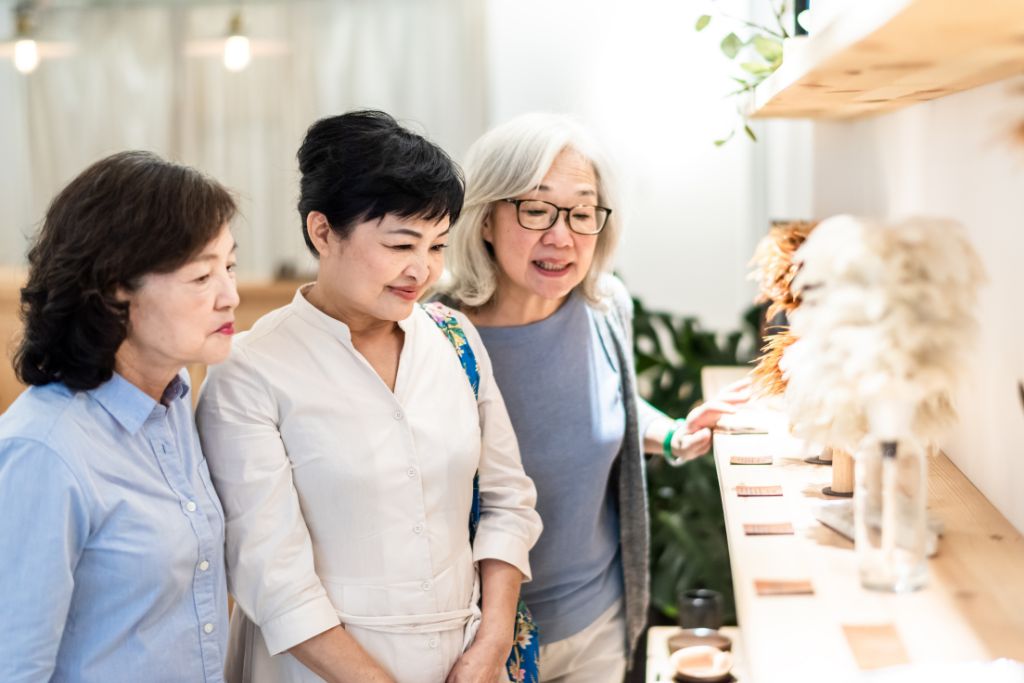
pixel 407 293
pixel 552 267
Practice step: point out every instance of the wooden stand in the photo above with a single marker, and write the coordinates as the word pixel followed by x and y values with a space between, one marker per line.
pixel 824 459
pixel 842 475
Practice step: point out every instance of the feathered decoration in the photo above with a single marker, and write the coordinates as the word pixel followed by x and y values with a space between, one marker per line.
pixel 767 376
pixel 773 267
pixel 773 270
pixel 886 320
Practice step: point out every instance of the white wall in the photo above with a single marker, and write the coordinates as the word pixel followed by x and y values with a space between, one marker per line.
pixel 957 158
pixel 651 88
pixel 636 72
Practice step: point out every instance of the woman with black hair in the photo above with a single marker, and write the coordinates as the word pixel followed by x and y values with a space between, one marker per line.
pixel 344 436
pixel 111 535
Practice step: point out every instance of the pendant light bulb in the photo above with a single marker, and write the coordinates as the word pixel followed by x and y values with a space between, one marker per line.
pixel 237 50
pixel 26 55
pixel 26 50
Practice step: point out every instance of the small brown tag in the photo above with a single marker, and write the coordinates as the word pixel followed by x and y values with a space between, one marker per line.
pixel 750 460
pixel 725 429
pixel 778 528
pixel 876 645
pixel 758 490
pixel 783 587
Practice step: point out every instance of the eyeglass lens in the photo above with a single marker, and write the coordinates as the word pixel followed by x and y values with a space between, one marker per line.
pixel 539 215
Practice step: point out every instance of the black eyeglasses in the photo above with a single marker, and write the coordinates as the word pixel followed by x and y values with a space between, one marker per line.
pixel 585 219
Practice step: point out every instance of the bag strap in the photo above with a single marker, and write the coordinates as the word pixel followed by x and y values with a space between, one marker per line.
pixel 445 319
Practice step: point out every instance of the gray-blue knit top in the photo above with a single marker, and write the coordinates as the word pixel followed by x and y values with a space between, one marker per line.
pixel 563 392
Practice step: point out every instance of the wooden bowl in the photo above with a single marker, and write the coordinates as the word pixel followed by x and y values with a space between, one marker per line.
pixel 701 664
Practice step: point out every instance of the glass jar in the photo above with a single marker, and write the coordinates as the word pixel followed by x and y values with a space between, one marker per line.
pixel 890 515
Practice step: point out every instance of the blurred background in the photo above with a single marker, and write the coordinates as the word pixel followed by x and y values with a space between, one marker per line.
pixel 110 75
pixel 151 75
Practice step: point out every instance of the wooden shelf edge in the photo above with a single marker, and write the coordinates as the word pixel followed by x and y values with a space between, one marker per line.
pixel 881 56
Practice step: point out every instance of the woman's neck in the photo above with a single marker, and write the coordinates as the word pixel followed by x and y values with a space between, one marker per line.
pixel 506 309
pixel 360 326
pixel 148 374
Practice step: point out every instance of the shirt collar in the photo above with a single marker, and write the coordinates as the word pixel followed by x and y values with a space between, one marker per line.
pixel 333 326
pixel 131 406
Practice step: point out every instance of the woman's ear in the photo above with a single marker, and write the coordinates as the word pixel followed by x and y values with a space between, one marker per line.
pixel 318 228
pixel 122 294
pixel 486 232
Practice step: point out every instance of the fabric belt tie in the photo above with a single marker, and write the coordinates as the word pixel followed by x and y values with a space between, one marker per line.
pixel 468 618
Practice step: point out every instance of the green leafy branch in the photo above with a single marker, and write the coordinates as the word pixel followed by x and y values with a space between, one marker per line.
pixel 758 54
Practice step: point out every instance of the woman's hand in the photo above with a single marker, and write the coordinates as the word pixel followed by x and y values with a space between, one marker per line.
pixel 695 440
pixel 483 662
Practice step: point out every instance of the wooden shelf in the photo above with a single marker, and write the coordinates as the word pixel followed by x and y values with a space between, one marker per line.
pixel 972 608
pixel 881 55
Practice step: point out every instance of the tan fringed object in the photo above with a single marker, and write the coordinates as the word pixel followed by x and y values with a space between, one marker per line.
pixel 767 376
pixel 773 267
pixel 773 270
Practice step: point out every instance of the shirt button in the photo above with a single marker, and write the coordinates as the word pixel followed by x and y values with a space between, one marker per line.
pixel 190 506
pixel 399 415
pixel 418 529
pixel 426 585
pixel 411 472
pixel 432 643
pixel 204 565
pixel 208 628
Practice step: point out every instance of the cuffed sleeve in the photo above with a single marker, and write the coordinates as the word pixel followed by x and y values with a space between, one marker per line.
pixel 269 553
pixel 647 415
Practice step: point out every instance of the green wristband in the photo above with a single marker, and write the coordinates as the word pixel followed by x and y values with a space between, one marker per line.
pixel 666 445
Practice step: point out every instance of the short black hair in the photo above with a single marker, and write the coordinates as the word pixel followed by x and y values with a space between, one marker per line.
pixel 124 217
pixel 363 165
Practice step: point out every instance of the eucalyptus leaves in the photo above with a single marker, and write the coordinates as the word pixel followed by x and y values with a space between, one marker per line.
pixel 757 52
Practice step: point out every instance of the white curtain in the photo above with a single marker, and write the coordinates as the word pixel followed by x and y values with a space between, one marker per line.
pixel 131 85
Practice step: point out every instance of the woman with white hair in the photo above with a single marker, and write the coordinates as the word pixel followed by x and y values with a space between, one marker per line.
pixel 530 265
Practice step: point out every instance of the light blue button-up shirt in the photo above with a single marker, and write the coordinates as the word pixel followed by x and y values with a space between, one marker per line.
pixel 111 539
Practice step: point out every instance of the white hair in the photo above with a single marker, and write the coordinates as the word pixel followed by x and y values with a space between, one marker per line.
pixel 509 160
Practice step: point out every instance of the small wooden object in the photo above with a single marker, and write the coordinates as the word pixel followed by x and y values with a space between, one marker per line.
pixel 876 645
pixel 751 491
pixel 842 475
pixel 769 529
pixel 783 587
pixel 751 460
pixel 825 458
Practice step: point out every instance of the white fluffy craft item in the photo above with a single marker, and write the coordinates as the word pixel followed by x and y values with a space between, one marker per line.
pixel 884 329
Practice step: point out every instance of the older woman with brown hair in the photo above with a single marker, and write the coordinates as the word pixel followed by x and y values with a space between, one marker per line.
pixel 530 265
pixel 111 535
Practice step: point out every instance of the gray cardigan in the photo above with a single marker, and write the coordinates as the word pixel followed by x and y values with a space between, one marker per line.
pixel 616 326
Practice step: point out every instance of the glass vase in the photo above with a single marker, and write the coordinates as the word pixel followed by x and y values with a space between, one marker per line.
pixel 890 515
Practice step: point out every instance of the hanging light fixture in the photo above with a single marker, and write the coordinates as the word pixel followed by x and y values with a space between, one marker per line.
pixel 26 50
pixel 235 48
pixel 237 51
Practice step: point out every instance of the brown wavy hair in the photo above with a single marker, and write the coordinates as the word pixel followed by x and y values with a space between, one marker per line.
pixel 124 217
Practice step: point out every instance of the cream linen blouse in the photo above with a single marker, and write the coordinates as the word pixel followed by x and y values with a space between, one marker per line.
pixel 348 503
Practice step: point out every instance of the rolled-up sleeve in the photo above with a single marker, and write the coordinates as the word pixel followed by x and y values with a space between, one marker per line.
pixel 509 523
pixel 269 553
pixel 44 525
